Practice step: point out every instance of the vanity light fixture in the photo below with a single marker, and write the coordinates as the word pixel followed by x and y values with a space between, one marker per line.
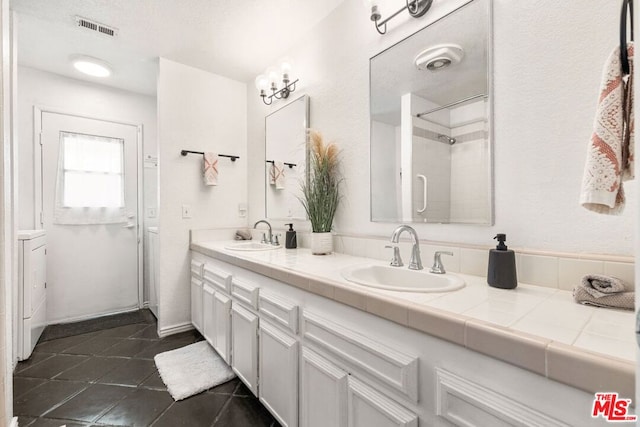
pixel 91 66
pixel 271 79
pixel 416 8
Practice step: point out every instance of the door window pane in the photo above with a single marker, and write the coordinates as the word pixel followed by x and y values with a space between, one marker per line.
pixel 93 173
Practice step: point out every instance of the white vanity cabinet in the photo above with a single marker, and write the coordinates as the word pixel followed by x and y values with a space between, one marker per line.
pixel 196 295
pixel 217 310
pixel 244 332
pixel 350 376
pixel 278 358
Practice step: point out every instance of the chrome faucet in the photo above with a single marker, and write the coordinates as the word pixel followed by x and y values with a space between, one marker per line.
pixel 264 239
pixel 415 263
pixel 437 267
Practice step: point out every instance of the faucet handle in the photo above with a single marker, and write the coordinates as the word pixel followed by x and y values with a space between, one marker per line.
pixel 438 267
pixel 276 241
pixel 396 261
pixel 264 238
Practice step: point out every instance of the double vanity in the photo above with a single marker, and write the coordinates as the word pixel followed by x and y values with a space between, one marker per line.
pixel 324 340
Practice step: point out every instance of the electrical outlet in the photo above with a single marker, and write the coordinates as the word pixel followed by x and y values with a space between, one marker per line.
pixel 242 210
pixel 151 212
pixel 186 211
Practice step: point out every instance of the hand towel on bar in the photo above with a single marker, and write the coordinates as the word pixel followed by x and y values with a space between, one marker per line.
pixel 276 175
pixel 603 291
pixel 210 170
pixel 610 154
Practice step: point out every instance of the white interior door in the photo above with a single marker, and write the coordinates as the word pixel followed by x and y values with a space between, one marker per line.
pixel 90 212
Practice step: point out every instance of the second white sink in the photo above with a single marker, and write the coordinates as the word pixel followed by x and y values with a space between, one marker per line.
pixel 251 246
pixel 402 279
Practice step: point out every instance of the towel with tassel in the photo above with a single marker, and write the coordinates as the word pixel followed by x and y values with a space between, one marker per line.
pixel 276 175
pixel 603 291
pixel 210 169
pixel 610 154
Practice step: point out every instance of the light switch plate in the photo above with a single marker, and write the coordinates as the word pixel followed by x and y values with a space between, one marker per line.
pixel 186 211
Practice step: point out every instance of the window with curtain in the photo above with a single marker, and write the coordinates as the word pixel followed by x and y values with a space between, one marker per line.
pixel 90 187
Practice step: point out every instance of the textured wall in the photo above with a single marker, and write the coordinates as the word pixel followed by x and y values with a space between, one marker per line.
pixel 547 66
pixel 197 111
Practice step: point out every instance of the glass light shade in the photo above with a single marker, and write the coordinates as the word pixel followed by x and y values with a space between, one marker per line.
pixel 370 3
pixel 273 75
pixel 286 65
pixel 262 83
pixel 92 67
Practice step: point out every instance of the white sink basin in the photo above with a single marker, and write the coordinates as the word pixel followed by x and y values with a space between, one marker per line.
pixel 402 279
pixel 251 246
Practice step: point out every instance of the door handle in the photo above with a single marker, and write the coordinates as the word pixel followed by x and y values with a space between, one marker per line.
pixel 424 193
pixel 129 225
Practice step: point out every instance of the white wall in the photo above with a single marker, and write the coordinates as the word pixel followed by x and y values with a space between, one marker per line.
pixel 197 111
pixel 41 88
pixel 547 68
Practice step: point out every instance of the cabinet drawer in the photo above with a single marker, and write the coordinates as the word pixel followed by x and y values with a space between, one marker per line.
pixel 280 311
pixel 219 279
pixel 245 292
pixel 359 352
pixel 196 269
pixel 466 403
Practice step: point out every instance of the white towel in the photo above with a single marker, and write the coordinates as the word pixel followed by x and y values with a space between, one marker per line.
pixel 276 175
pixel 210 169
pixel 610 154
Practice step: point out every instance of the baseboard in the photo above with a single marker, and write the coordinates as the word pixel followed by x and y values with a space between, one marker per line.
pixel 175 329
pixel 92 316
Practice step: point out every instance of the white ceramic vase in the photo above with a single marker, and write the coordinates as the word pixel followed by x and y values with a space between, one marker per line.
pixel 321 243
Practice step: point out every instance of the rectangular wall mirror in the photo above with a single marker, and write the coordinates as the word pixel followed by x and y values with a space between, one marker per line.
pixel 430 94
pixel 286 159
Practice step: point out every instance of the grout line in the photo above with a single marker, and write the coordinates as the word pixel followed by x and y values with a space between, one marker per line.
pixel 222 410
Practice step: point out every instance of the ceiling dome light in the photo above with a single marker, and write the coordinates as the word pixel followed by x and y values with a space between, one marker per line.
pixel 91 66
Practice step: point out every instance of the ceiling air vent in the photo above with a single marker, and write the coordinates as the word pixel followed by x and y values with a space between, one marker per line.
pixel 96 26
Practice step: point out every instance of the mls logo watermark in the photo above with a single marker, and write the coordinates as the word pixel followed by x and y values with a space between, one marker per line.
pixel 612 408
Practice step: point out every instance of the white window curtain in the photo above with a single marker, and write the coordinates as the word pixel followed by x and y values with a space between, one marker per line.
pixel 90 180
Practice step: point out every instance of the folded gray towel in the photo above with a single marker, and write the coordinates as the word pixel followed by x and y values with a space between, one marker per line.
pixel 243 234
pixel 603 291
pixel 598 285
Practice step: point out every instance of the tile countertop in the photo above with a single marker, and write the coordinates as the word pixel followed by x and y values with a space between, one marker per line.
pixel 536 328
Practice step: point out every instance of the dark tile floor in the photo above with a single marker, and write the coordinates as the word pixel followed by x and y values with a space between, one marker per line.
pixel 108 378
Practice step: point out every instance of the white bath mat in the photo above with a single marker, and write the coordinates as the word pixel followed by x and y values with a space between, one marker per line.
pixel 192 369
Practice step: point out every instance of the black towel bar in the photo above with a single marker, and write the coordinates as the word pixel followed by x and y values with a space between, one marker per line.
pixel 233 158
pixel 291 165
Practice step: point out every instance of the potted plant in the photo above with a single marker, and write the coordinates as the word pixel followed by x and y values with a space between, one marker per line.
pixel 321 191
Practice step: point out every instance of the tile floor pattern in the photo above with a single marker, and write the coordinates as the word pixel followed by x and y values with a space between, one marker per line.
pixel 109 378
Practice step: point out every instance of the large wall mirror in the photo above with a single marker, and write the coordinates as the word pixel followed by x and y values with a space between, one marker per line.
pixel 431 120
pixel 286 159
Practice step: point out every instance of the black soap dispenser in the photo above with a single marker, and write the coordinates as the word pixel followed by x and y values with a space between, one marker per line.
pixel 502 266
pixel 291 240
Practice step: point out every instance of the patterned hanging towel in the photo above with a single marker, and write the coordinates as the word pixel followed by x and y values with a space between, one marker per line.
pixel 610 154
pixel 276 175
pixel 210 169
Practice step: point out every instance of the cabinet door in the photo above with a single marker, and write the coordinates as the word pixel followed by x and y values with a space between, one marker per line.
pixel 244 342
pixel 208 314
pixel 323 392
pixel 222 325
pixel 278 358
pixel 369 408
pixel 196 303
